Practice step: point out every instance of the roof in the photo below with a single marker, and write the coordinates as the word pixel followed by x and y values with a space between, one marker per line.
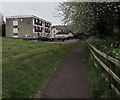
pixel 60 27
pixel 26 16
pixel 66 32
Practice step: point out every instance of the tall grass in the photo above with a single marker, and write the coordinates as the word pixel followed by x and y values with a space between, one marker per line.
pixel 100 88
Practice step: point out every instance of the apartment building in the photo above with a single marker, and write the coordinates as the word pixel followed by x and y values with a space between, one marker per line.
pixel 19 26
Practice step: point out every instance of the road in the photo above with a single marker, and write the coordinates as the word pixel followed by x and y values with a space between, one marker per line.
pixel 60 42
pixel 66 41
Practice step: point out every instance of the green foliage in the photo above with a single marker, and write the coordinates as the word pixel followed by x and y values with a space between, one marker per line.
pixel 3 29
pixel 2 25
pixel 79 36
pixel 99 87
pixel 108 46
pixel 92 18
pixel 27 65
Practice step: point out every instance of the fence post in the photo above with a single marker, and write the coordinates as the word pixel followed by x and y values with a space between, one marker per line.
pixel 110 77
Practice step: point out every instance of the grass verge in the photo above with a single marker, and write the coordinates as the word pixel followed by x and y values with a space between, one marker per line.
pixel 100 88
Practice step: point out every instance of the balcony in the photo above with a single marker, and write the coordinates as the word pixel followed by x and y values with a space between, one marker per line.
pixel 38 22
pixel 47 25
pixel 47 30
pixel 38 29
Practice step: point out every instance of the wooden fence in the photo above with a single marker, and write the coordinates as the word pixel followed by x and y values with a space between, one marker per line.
pixel 94 53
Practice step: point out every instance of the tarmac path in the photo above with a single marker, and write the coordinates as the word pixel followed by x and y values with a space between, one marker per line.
pixel 69 79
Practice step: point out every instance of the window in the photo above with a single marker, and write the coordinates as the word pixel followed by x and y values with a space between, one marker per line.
pixel 40 22
pixel 53 31
pixel 15 30
pixel 34 21
pixel 15 22
pixel 33 29
pixel 37 28
pixel 40 29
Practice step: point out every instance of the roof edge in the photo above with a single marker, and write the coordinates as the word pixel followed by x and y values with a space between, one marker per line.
pixel 25 16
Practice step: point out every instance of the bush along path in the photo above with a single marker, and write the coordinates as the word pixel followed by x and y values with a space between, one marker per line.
pixel 70 79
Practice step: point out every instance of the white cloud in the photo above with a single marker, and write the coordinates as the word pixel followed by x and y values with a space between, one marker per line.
pixel 33 0
pixel 60 0
pixel 45 10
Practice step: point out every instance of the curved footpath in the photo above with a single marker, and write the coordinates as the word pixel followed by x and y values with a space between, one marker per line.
pixel 69 79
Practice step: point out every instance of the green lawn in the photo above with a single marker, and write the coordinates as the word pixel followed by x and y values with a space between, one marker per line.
pixel 27 65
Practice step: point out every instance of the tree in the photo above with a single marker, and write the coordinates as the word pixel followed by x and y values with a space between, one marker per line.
pixel 3 29
pixel 92 18
pixel 2 26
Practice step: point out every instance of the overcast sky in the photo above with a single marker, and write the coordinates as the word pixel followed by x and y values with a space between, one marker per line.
pixel 44 10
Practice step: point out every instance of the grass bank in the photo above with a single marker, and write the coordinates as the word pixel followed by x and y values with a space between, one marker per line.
pixel 27 65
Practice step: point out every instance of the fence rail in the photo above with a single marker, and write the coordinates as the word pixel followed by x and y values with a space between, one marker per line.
pixel 113 60
pixel 109 58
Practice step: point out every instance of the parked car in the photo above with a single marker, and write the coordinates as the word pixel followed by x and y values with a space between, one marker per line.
pixel 61 38
pixel 29 37
pixel 45 38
